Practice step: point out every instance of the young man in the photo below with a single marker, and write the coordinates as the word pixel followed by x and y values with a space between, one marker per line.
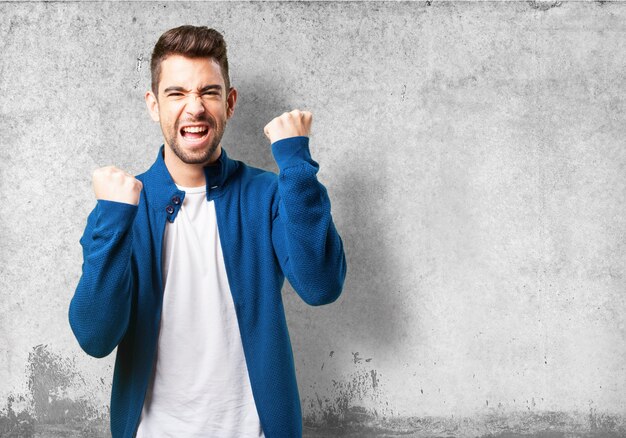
pixel 183 265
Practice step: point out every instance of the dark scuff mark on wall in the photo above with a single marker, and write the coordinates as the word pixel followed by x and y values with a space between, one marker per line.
pixel 374 379
pixel 544 5
pixel 356 359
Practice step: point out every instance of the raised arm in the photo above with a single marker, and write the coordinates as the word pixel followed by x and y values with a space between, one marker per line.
pixel 99 311
pixel 306 242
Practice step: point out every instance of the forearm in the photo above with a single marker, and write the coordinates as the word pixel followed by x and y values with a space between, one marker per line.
pixel 308 244
pixel 100 309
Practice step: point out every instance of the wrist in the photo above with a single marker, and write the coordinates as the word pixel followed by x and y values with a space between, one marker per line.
pixel 291 151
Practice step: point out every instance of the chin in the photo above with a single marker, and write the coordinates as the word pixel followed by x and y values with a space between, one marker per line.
pixel 200 154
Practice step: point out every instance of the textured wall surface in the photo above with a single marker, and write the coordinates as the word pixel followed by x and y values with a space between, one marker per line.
pixel 475 157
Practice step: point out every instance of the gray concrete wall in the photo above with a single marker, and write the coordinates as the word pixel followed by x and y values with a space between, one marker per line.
pixel 475 157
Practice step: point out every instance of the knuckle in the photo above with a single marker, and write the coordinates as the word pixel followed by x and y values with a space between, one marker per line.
pixel 100 174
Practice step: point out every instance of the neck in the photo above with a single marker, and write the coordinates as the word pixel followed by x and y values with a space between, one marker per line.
pixel 185 174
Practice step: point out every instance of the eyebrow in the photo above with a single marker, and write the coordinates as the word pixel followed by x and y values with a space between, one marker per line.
pixel 202 90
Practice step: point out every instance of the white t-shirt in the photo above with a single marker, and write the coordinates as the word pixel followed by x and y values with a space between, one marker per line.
pixel 200 385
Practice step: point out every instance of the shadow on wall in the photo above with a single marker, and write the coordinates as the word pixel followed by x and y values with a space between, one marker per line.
pixel 371 259
pixel 370 256
pixel 258 102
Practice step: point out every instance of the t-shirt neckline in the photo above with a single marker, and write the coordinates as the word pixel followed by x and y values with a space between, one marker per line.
pixel 199 189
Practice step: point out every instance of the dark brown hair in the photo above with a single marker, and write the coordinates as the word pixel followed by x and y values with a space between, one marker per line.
pixel 192 42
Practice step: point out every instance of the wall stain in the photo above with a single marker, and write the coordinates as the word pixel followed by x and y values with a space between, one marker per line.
pixel 544 5
pixel 342 402
pixel 138 66
pixel 512 425
pixel 356 406
pixel 51 407
pixel 357 359
pixel 374 379
pixel 16 424
pixel 50 378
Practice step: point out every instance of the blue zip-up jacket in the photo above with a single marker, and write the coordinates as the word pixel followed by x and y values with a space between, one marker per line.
pixel 270 226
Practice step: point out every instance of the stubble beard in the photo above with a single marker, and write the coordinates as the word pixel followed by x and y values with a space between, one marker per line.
pixel 202 157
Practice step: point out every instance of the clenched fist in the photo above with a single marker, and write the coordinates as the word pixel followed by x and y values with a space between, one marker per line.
pixel 292 124
pixel 113 184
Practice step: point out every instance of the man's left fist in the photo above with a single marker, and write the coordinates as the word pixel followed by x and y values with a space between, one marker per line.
pixel 292 124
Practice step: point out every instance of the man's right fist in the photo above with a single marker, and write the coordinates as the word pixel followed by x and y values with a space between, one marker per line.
pixel 113 184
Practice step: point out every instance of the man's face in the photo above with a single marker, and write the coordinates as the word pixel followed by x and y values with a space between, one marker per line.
pixel 192 107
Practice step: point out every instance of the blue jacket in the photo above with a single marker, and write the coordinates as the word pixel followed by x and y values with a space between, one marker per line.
pixel 270 226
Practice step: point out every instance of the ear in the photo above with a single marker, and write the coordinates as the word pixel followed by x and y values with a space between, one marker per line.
pixel 231 101
pixel 153 105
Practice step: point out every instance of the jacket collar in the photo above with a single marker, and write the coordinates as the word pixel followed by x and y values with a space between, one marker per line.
pixel 163 195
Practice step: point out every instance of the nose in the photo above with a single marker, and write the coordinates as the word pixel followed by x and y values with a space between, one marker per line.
pixel 194 106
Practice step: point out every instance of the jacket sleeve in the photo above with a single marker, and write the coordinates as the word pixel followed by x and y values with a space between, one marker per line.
pixel 307 245
pixel 100 308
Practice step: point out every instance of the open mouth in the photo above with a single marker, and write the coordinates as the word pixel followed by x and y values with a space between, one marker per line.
pixel 194 134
